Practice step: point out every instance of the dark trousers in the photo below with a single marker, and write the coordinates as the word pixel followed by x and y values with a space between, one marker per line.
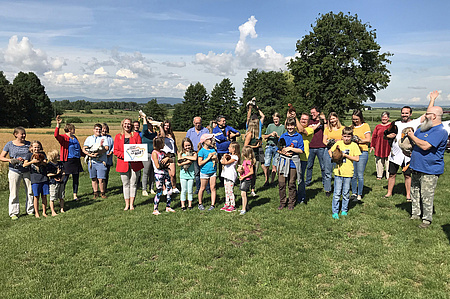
pixel 291 178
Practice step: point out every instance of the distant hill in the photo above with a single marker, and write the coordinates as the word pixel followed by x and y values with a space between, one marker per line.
pixel 393 105
pixel 161 100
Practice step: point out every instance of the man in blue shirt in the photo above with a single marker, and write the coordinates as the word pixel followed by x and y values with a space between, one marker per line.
pixel 427 163
pixel 224 135
pixel 194 134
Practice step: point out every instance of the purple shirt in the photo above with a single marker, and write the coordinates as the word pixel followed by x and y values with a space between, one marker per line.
pixel 195 137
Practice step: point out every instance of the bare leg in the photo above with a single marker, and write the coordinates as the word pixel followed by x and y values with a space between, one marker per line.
pixel 52 208
pixel 274 173
pixel 408 186
pixel 391 183
pixel 61 204
pixel 131 203
pixel 244 200
pixel 266 173
pixel 44 205
pixel 127 204
pixel 36 206
pixel 212 184
pixel 204 182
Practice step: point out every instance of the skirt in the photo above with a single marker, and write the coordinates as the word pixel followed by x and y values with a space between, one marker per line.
pixel 73 166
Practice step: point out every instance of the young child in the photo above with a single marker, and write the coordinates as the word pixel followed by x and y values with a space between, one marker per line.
pixel 207 160
pixel 248 163
pixel 343 172
pixel 55 173
pixel 38 176
pixel 289 164
pixel 162 178
pixel 186 160
pixel 229 174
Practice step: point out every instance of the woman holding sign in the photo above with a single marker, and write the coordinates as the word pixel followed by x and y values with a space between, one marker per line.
pixel 127 168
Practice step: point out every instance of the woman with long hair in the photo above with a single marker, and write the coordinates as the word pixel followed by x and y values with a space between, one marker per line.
pixel 331 133
pixel 70 155
pixel 127 170
pixel 381 146
pixel 170 148
pixel 18 150
pixel 252 140
pixel 362 132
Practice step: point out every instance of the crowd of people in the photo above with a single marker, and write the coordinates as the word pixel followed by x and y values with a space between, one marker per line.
pixel 210 153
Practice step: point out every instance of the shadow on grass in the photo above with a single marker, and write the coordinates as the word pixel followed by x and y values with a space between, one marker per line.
pixel 311 193
pixel 114 190
pixel 446 229
pixel 257 201
pixel 406 206
pixel 81 202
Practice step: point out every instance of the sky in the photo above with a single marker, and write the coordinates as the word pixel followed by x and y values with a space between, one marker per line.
pixel 114 49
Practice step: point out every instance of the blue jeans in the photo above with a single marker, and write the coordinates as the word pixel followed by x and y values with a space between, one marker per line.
pixel 313 152
pixel 301 194
pixel 327 172
pixel 341 186
pixel 358 173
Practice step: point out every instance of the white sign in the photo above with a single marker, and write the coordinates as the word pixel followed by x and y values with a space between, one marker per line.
pixel 135 152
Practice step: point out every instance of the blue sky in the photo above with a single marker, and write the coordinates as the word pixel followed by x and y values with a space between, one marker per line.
pixel 112 49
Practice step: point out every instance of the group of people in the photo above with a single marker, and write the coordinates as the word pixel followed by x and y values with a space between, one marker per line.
pixel 208 153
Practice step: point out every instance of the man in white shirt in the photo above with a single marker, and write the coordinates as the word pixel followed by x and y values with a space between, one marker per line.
pixel 397 158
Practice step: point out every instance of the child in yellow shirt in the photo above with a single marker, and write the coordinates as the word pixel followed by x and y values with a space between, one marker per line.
pixel 343 172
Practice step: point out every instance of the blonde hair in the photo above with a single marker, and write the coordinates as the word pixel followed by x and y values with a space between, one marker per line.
pixel 53 155
pixel 338 124
pixel 237 149
pixel 123 131
pixel 33 142
pixel 248 154
pixel 253 127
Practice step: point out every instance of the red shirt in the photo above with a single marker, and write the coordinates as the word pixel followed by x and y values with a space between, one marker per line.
pixel 317 140
pixel 381 145
pixel 123 166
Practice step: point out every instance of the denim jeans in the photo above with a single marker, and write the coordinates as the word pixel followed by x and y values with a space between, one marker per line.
pixel 301 194
pixel 358 173
pixel 313 152
pixel 328 170
pixel 341 186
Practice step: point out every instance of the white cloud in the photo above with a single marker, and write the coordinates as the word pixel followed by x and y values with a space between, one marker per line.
pixel 414 100
pixel 126 73
pixel 399 100
pixel 100 71
pixel 183 87
pixel 225 64
pixel 174 64
pixel 22 56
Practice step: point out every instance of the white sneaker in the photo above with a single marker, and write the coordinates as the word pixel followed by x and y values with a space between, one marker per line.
pixel 253 194
pixel 144 193
pixel 175 190
pixel 152 191
pixel 165 192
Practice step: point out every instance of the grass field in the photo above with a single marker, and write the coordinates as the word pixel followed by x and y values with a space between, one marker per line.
pixel 96 250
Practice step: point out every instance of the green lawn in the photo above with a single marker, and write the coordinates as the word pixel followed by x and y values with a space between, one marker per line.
pixel 96 249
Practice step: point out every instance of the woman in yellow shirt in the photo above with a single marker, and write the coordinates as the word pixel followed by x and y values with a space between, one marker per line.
pixel 331 134
pixel 362 132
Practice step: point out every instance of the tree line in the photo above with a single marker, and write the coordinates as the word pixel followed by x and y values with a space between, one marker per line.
pixel 338 67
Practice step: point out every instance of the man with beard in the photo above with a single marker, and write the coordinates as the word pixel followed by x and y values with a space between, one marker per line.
pixel 397 158
pixel 224 135
pixel 427 163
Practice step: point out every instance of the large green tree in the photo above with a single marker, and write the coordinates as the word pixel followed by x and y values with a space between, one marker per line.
pixel 155 110
pixel 271 89
pixel 39 110
pixel 339 64
pixel 194 104
pixel 12 104
pixel 223 101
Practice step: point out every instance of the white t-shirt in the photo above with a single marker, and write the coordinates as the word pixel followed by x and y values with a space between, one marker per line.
pixel 397 156
pixel 229 171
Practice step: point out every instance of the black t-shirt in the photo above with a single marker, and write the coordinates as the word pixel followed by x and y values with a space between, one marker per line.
pixel 53 168
pixel 38 174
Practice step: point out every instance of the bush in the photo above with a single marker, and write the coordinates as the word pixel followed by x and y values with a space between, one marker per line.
pixel 73 120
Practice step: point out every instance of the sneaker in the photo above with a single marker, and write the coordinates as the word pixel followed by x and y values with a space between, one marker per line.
pixel 335 216
pixel 225 207
pixel 144 193
pixel 425 224
pixel 156 212
pixel 230 209
pixel 165 192
pixel 253 194
pixel 353 197
pixel 169 209
pixel 14 217
pixel 328 193
pixel 343 213
pixel 211 208
pixel 201 207
pixel 175 191
pixel 242 212
pixel 152 191
pixel 415 217
pixel 183 209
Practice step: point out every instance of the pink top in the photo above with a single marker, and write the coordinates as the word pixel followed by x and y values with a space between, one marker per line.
pixel 247 164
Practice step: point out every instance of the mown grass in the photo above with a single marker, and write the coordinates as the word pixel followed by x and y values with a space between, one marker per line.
pixel 96 250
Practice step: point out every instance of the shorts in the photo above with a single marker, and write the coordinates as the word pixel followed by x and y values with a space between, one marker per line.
pixel 245 185
pixel 40 189
pixel 259 154
pixel 97 170
pixel 271 154
pixel 56 191
pixel 207 175
pixel 393 168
